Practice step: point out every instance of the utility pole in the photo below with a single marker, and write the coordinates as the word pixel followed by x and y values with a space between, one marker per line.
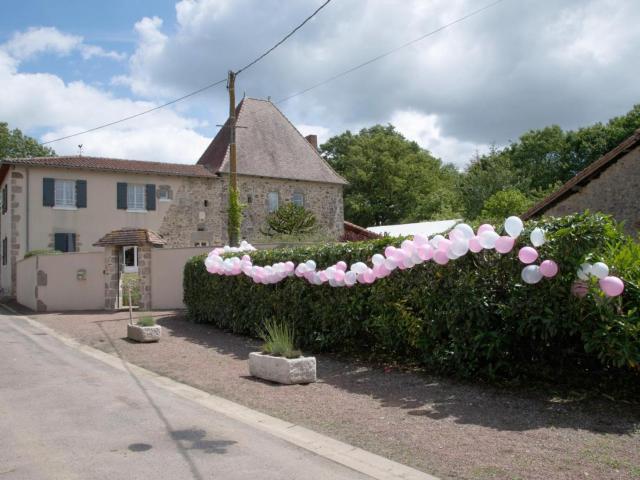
pixel 235 210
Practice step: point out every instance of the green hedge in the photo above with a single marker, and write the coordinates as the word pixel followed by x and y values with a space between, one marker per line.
pixel 472 317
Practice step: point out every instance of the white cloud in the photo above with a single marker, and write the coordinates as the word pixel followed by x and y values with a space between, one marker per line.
pixel 426 131
pixel 61 109
pixel 35 40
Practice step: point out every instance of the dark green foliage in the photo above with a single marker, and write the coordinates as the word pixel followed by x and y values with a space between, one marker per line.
pixel 391 179
pixel 290 219
pixel 503 204
pixel 279 339
pixel 13 144
pixel 473 317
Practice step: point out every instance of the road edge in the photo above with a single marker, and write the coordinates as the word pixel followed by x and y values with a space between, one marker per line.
pixel 355 458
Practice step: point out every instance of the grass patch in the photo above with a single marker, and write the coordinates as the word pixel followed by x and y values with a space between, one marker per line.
pixel 279 340
pixel 130 280
pixel 146 321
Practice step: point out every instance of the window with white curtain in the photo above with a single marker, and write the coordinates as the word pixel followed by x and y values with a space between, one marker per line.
pixel 298 199
pixel 65 193
pixel 135 197
pixel 273 200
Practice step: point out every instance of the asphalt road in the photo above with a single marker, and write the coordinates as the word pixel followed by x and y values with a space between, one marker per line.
pixel 65 415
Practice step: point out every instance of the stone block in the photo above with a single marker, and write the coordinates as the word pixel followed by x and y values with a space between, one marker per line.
pixel 144 334
pixel 282 370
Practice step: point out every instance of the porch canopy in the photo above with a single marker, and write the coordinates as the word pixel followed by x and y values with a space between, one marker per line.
pixel 125 237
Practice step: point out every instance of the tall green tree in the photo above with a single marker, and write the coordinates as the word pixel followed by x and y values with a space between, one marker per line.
pixel 391 179
pixel 14 144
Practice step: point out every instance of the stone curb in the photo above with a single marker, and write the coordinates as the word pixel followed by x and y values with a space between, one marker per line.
pixel 355 458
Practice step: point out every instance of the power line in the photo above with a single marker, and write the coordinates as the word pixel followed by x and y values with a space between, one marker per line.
pixel 386 54
pixel 285 38
pixel 195 92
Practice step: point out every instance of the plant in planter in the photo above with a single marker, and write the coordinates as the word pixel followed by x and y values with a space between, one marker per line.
pixel 144 330
pixel 279 361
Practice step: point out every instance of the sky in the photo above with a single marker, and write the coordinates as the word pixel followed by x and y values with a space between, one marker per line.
pixel 519 65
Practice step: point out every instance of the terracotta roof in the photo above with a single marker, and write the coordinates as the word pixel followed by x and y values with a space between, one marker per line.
pixel 355 233
pixel 268 146
pixel 114 165
pixel 585 176
pixel 130 236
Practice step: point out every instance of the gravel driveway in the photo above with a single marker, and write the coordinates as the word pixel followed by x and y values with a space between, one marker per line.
pixel 448 429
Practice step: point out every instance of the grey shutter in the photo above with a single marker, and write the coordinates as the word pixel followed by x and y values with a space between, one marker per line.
pixel 81 193
pixel 71 242
pixel 5 199
pixel 122 196
pixel 150 196
pixel 48 192
pixel 60 242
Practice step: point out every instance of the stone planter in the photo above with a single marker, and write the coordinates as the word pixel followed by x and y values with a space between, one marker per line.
pixel 144 334
pixel 282 370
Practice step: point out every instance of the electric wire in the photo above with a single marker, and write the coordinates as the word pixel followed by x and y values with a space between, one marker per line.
pixel 195 92
pixel 389 52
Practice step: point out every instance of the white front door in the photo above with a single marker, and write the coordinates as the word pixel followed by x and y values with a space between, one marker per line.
pixel 130 259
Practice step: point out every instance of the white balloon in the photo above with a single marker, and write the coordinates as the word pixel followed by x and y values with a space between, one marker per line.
pixel 537 237
pixel 358 267
pixel 436 240
pixel 451 255
pixel 488 239
pixel 531 274
pixel 390 264
pixel 513 225
pixel 600 269
pixel 460 246
pixel 466 230
pixel 311 265
pixel 377 259
pixel 350 278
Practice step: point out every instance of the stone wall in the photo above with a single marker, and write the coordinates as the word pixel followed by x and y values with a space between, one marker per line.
pixel 199 209
pixel 111 278
pixel 614 192
pixel 14 239
pixel 144 275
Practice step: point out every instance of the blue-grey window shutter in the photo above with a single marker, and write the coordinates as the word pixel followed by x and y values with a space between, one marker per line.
pixel 60 242
pixel 122 196
pixel 48 192
pixel 151 196
pixel 81 193
pixel 71 242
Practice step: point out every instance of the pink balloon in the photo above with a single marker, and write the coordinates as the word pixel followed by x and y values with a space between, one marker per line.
pixel 611 286
pixel 549 268
pixel 389 251
pixel 420 240
pixel 455 234
pixel 504 244
pixel 485 227
pixel 425 252
pixel 441 257
pixel 444 244
pixel 528 255
pixel 338 276
pixel 474 245
pixel 290 266
pixel 323 276
pixel 342 266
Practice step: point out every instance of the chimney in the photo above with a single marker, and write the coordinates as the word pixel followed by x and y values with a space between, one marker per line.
pixel 313 140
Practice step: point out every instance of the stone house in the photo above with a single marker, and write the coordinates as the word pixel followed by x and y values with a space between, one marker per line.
pixel 69 203
pixel 609 185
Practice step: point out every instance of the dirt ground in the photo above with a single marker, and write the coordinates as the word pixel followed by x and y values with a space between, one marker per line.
pixel 448 429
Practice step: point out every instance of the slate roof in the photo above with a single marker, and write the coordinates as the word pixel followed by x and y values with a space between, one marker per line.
pixel 585 176
pixel 114 165
pixel 268 146
pixel 130 236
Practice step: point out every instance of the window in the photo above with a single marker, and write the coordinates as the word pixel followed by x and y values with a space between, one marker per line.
pixel 164 193
pixel 65 193
pixel 201 244
pixel 135 197
pixel 64 242
pixel 273 200
pixel 298 199
pixel 130 259
pixel 4 251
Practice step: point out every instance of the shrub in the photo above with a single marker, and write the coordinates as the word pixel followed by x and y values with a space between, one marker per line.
pixel 472 317
pixel 290 219
pixel 43 251
pixel 279 340
pixel 146 321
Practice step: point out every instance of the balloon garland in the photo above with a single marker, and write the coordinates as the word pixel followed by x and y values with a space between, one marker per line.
pixel 461 239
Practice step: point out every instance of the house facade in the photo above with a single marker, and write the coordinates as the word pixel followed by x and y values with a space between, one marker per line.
pixel 609 185
pixel 69 203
